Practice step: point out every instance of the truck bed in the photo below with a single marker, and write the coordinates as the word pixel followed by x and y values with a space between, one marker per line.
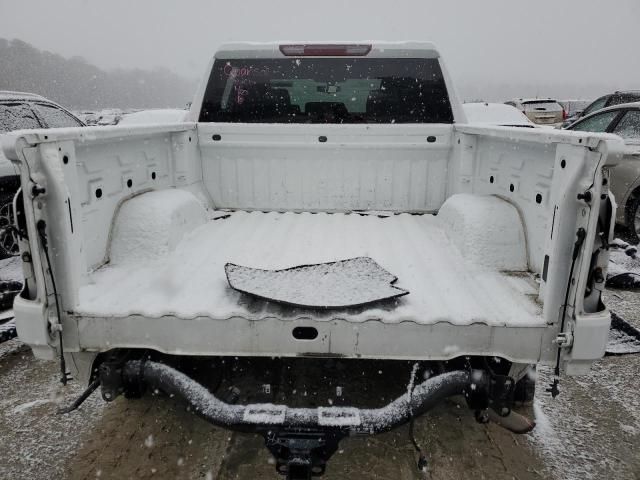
pixel 190 281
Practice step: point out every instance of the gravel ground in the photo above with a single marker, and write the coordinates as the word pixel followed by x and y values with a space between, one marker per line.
pixel 591 431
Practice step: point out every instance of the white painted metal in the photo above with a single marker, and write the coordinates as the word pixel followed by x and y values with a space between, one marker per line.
pixel 272 337
pixel 283 167
pixel 359 167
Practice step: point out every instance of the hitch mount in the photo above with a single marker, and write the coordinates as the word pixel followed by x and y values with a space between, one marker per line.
pixel 302 440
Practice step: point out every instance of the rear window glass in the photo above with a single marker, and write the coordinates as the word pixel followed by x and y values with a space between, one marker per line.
pixel 327 90
pixel 17 116
pixel 55 117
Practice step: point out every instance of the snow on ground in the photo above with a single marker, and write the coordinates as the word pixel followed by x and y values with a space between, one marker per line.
pixel 592 430
pixel 621 344
pixel 33 438
pixel 601 409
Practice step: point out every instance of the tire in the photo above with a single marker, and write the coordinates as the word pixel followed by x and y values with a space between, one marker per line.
pixel 8 241
pixel 525 389
pixel 633 218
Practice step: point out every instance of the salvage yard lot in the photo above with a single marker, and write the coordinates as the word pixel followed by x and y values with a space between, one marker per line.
pixel 591 431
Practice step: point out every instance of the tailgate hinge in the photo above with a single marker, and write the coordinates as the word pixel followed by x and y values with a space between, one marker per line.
pixel 564 340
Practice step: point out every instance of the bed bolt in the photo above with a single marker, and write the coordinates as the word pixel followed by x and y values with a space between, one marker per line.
pixel 37 190
pixel 586 196
pixel 26 257
pixel 564 340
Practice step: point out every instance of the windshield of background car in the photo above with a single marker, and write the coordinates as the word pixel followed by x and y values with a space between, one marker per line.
pixel 597 105
pixel 542 106
pixel 17 116
pixel 327 90
pixel 629 126
pixel 597 123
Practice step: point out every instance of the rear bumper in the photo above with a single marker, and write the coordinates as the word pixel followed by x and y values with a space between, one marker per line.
pixel 273 337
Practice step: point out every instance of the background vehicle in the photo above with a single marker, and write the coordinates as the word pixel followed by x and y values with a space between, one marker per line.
pixel 572 109
pixel 605 101
pixel 306 155
pixel 20 111
pixel 108 117
pixel 623 120
pixel 103 118
pixel 497 114
pixel 146 117
pixel 542 111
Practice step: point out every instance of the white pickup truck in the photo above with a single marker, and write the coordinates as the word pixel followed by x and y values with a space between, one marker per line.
pixel 304 154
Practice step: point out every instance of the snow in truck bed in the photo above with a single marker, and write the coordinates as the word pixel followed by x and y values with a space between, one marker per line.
pixel 190 281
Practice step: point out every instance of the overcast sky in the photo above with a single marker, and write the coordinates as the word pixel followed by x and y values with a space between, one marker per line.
pixel 549 46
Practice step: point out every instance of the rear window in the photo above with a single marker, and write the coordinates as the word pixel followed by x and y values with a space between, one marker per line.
pixel 17 116
pixel 542 106
pixel 55 117
pixel 327 90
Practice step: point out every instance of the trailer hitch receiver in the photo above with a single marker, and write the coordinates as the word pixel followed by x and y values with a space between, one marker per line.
pixel 302 440
pixel 302 454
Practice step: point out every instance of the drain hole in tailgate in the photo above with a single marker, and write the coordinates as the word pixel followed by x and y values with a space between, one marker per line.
pixel 304 333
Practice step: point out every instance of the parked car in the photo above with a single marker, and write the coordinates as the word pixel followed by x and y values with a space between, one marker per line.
pixel 21 111
pixel 154 116
pixel 573 108
pixel 497 114
pixel 87 117
pixel 542 111
pixel 292 217
pixel 615 98
pixel 107 117
pixel 623 120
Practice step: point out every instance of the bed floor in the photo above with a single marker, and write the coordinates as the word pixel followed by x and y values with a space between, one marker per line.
pixel 190 282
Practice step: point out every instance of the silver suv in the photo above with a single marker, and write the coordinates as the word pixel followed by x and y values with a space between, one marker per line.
pixel 542 111
pixel 20 111
pixel 610 100
pixel 623 120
